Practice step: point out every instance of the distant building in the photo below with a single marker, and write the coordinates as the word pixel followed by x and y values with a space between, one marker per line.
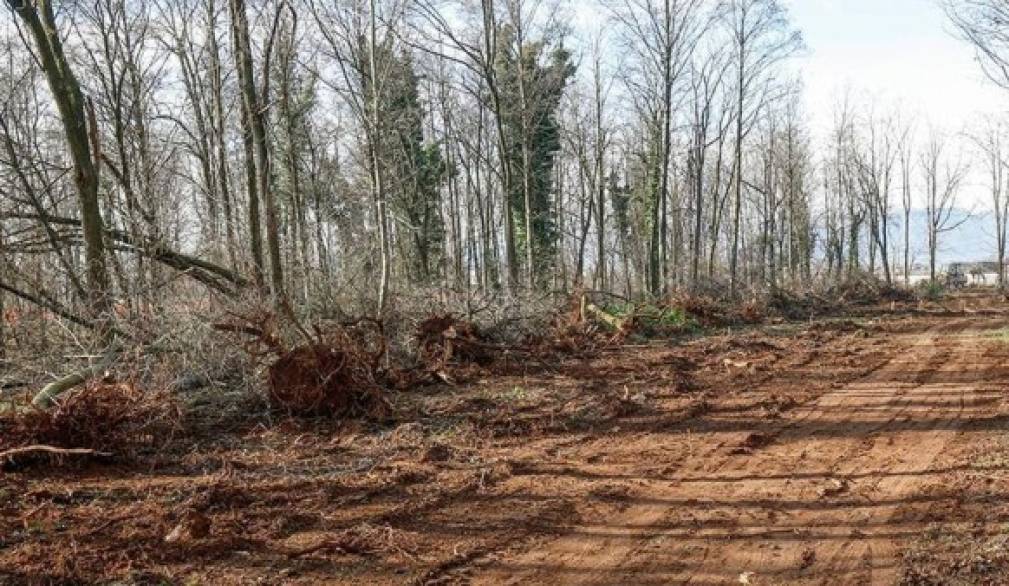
pixel 977 273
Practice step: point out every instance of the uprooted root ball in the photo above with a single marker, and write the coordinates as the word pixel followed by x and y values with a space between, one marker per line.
pixel 319 379
pixel 444 339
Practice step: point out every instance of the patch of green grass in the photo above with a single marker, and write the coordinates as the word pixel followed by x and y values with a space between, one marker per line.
pixel 666 317
pixel 931 290
pixel 1001 335
pixel 35 528
pixel 653 318
pixel 517 393
pixel 619 309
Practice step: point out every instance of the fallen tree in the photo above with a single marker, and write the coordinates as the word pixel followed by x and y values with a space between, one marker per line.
pixel 81 131
pixel 48 304
pixel 331 373
pixel 6 454
pixel 219 278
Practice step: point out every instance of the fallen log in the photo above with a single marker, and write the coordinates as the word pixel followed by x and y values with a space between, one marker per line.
pixel 613 321
pixel 47 304
pixel 220 278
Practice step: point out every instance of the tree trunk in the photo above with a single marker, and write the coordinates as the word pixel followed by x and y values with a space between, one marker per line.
pixel 377 185
pixel 737 202
pixel 243 57
pixel 81 136
pixel 255 110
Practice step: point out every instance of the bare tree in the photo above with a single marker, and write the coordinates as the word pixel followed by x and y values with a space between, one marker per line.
pixel 589 137
pixel 989 141
pixel 943 177
pixel 875 158
pixel 707 82
pixel 985 25
pixel 662 36
pixel 81 133
pixel 905 154
pixel 761 37
pixel 254 106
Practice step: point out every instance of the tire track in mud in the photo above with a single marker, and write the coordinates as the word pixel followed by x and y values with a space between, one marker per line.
pixel 815 505
pixel 797 445
pixel 941 419
pixel 855 558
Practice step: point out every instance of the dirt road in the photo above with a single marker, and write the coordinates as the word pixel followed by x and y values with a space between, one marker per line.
pixel 830 493
pixel 871 449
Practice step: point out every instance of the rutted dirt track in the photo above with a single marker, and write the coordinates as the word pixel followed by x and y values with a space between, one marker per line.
pixel 816 497
pixel 870 450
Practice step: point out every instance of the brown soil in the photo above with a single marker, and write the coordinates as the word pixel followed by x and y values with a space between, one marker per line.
pixel 867 450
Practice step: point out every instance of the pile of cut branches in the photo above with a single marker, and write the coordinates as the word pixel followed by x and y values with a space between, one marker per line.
pixel 582 327
pixel 446 339
pixel 448 347
pixel 867 289
pixel 710 311
pixel 799 305
pixel 99 420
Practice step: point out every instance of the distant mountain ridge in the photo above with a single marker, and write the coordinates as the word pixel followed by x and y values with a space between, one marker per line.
pixel 972 241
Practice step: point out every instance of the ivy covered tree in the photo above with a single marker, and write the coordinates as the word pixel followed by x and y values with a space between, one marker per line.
pixel 532 77
pixel 415 169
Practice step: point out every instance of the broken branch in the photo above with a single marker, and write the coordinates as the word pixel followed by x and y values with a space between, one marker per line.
pixel 52 450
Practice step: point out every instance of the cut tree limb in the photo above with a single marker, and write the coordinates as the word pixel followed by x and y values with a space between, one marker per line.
pixel 45 302
pixel 611 320
pixel 48 304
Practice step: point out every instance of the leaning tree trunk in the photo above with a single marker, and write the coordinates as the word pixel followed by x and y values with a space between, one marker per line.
pixel 40 21
pixel 81 133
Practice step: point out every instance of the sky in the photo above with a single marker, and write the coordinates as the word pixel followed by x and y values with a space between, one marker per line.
pixel 903 51
pixel 906 54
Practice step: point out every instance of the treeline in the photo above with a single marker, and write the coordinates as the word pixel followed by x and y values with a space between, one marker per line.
pixel 324 150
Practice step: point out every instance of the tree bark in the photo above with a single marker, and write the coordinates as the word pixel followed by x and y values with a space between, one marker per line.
pixel 243 58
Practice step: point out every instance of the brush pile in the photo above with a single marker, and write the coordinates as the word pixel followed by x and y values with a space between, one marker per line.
pixel 106 419
pixel 704 309
pixel 713 312
pixel 867 289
